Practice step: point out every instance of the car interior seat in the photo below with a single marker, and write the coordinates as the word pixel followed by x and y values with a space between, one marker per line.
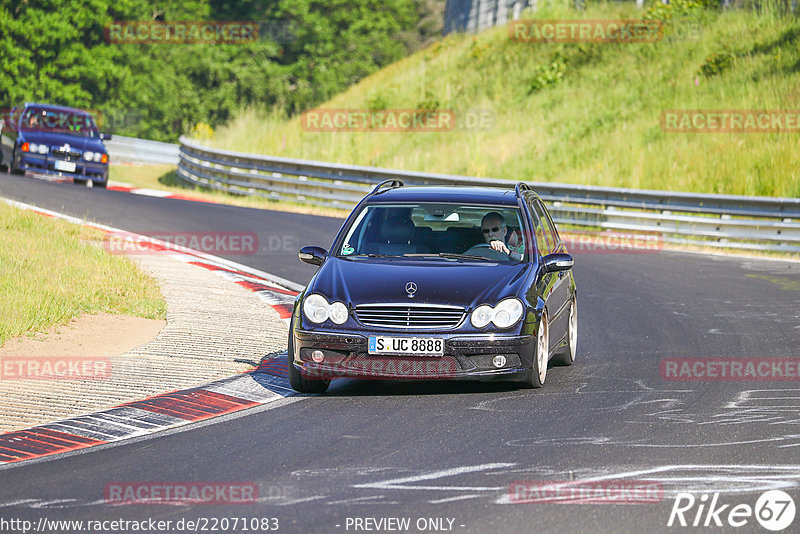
pixel 396 237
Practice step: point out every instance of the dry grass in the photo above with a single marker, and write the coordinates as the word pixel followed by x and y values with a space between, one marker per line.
pixel 51 272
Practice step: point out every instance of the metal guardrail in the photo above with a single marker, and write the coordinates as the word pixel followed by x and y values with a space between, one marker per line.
pixel 733 221
pixel 476 15
pixel 132 150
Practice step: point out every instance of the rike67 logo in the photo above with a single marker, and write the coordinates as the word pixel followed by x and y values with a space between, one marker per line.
pixel 774 510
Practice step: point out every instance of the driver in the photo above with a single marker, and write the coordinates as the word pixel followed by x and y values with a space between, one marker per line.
pixel 496 234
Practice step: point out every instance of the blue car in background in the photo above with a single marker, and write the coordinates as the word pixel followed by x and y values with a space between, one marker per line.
pixel 55 140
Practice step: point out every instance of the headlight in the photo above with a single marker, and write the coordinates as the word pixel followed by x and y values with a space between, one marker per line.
pixel 33 147
pixel 317 310
pixel 43 149
pixel 338 312
pixel 482 316
pixel 88 155
pixel 505 314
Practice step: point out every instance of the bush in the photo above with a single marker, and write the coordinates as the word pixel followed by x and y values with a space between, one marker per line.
pixel 377 102
pixel 429 103
pixel 716 63
pixel 547 75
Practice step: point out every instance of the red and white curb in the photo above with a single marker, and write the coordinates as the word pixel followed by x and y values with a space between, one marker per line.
pixel 267 383
pixel 112 186
pixel 263 385
pixel 155 193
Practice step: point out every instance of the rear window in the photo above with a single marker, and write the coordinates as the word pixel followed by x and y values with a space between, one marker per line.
pixel 429 229
pixel 69 122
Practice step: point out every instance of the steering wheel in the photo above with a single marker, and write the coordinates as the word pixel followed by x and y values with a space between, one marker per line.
pixel 485 250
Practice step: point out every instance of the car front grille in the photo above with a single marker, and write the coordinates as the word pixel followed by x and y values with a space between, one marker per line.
pixel 64 154
pixel 409 315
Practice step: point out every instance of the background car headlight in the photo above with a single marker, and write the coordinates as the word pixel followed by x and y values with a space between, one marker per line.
pixel 43 149
pixel 33 147
pixel 317 310
pixel 505 314
pixel 88 155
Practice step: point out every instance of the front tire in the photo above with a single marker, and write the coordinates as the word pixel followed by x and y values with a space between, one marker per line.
pixel 298 382
pixel 567 357
pixel 13 166
pixel 537 375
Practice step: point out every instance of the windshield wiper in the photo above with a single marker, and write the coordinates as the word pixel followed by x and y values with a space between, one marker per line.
pixel 449 255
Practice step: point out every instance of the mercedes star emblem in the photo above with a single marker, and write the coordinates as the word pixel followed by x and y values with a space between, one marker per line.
pixel 411 288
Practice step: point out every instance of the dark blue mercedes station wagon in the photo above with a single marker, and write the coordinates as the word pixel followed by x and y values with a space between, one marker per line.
pixel 54 140
pixel 435 283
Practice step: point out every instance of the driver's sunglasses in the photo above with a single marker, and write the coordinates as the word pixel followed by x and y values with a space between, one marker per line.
pixel 493 229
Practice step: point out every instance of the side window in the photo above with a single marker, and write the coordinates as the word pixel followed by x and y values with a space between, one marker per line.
pixel 549 228
pixel 538 230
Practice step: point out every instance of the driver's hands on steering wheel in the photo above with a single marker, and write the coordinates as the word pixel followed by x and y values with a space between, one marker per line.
pixel 499 246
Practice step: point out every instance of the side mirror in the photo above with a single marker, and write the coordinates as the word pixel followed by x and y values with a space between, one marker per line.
pixel 312 255
pixel 557 262
pixel 105 136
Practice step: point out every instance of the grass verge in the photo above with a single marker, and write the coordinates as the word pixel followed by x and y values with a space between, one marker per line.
pixel 587 113
pixel 50 272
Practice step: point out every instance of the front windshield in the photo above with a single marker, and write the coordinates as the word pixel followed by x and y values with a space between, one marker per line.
pixel 67 122
pixel 437 230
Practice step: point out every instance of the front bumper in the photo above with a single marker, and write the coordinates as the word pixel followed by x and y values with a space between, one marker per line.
pixel 465 357
pixel 45 164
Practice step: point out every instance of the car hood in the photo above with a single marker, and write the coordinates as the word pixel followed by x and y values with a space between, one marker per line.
pixel 59 139
pixel 466 284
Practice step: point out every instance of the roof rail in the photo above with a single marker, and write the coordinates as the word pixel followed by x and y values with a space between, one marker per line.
pixel 520 187
pixel 392 184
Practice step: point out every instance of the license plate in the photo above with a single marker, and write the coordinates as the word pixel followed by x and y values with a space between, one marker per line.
pixel 68 166
pixel 429 346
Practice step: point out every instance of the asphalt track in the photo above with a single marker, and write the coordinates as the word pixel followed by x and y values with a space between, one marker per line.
pixel 370 449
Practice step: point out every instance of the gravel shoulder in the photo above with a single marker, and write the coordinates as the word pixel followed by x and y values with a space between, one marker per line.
pixel 214 329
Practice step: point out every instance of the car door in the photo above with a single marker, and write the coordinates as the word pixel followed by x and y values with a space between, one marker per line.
pixel 546 282
pixel 559 298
